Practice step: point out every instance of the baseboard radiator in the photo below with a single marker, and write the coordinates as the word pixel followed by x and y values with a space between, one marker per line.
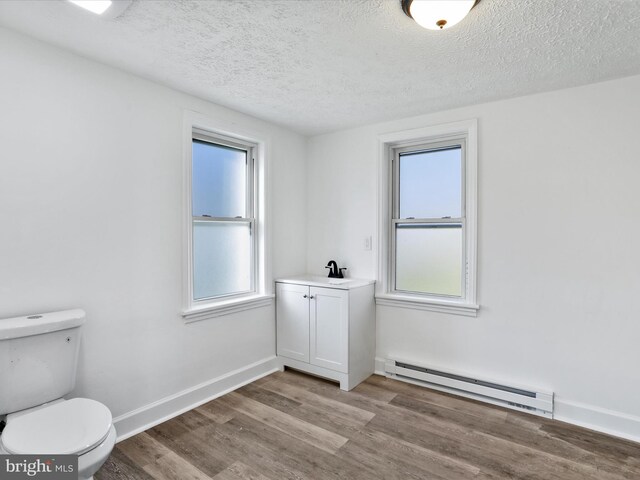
pixel 516 398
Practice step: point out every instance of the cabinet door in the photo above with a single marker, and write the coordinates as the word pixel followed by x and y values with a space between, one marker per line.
pixel 292 319
pixel 329 323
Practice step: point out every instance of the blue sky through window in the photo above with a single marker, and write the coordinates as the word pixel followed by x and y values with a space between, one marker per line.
pixel 219 180
pixel 431 184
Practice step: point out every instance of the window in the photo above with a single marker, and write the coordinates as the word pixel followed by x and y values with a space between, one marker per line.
pixel 225 205
pixel 222 217
pixel 429 219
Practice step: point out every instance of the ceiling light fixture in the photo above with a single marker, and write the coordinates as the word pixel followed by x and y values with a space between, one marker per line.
pixel 104 8
pixel 437 14
pixel 94 6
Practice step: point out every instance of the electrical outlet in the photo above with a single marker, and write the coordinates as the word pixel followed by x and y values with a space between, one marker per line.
pixel 367 243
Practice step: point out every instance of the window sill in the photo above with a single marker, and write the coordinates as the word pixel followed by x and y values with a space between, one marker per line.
pixel 417 303
pixel 226 307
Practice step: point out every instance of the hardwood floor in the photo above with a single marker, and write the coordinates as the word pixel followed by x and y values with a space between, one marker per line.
pixel 292 426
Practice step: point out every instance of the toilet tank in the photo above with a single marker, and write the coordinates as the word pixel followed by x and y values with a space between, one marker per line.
pixel 38 358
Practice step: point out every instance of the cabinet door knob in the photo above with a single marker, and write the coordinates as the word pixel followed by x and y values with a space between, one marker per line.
pixel 304 296
pixel 311 297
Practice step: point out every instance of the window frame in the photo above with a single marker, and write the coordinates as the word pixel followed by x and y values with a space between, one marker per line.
pixel 395 216
pixel 391 146
pixel 258 145
pixel 249 148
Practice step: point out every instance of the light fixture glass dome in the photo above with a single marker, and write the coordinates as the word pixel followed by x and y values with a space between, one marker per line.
pixel 439 14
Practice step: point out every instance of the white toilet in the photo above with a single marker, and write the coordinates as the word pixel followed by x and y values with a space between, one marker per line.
pixel 38 359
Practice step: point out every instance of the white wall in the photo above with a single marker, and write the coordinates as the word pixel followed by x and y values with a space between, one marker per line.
pixel 90 212
pixel 90 192
pixel 558 244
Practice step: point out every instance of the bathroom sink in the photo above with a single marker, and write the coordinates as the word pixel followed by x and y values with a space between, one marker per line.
pixel 320 281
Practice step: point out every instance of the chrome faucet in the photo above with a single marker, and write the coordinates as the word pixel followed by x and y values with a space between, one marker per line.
pixel 334 271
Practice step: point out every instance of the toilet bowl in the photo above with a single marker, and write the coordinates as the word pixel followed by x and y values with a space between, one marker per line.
pixel 78 426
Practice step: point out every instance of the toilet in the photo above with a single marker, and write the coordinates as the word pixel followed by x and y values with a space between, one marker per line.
pixel 38 360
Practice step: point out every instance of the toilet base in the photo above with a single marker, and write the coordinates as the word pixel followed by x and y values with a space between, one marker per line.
pixel 90 462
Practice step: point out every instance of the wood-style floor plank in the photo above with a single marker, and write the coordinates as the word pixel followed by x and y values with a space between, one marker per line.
pixel 179 435
pixel 173 467
pixel 342 410
pixel 143 449
pixel 525 433
pixel 293 426
pixel 240 471
pixel 119 467
pixel 304 431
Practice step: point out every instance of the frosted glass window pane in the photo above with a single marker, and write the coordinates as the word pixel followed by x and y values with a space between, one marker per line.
pixel 219 178
pixel 221 259
pixel 431 184
pixel 429 259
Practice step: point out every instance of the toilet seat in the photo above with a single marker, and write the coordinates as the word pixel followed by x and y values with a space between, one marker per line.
pixel 70 427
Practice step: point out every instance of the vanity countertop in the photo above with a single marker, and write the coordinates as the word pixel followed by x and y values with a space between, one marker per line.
pixel 320 281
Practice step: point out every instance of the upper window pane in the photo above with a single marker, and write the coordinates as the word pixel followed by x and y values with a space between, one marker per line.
pixel 219 180
pixel 431 183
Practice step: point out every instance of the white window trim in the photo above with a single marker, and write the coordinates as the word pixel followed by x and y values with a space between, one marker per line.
pixel 386 143
pixel 263 295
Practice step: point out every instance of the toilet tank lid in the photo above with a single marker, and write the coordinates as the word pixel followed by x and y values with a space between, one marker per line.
pixel 40 323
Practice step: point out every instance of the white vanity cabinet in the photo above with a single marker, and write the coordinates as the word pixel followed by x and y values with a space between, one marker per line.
pixel 327 327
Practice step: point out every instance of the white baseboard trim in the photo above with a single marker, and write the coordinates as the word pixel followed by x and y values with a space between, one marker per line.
pixel 379 366
pixel 595 418
pixel 599 419
pixel 150 415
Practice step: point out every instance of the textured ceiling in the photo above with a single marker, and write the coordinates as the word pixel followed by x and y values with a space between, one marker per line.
pixel 322 65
